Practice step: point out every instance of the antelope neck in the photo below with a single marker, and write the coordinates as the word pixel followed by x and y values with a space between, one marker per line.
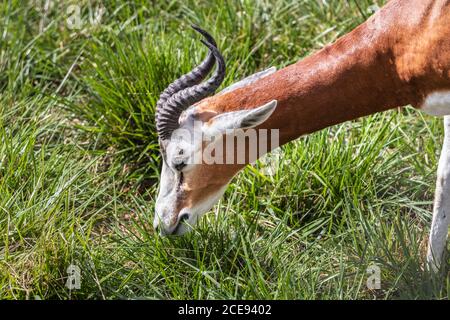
pixel 362 73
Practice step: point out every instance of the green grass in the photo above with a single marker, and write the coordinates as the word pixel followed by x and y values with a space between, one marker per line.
pixel 79 164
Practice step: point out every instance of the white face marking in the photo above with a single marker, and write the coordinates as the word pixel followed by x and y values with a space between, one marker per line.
pixel 198 211
pixel 166 213
pixel 437 104
pixel 180 149
pixel 170 188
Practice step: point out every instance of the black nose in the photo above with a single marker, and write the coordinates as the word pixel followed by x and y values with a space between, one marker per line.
pixel 170 231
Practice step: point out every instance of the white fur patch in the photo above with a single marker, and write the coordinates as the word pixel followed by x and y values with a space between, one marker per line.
pixel 199 210
pixel 246 81
pixel 437 104
pixel 441 211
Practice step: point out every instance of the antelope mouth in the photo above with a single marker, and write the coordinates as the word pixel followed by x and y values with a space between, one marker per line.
pixel 182 223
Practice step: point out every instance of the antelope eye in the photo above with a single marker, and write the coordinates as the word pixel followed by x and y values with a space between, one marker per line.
pixel 179 166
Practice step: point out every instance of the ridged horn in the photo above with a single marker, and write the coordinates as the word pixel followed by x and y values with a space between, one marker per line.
pixel 183 93
pixel 196 75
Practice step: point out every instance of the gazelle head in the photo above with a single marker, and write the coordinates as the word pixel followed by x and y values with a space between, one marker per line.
pixel 190 184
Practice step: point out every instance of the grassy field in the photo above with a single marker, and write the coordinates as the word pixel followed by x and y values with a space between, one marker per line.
pixel 79 162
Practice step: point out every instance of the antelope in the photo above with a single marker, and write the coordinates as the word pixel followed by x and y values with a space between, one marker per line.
pixel 400 56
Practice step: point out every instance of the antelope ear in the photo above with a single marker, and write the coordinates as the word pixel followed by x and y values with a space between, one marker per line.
pixel 249 79
pixel 243 119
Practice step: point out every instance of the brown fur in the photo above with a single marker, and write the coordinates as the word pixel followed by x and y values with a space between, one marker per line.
pixel 396 58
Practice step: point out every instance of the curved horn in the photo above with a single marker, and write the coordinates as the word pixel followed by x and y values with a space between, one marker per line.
pixel 193 77
pixel 170 110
